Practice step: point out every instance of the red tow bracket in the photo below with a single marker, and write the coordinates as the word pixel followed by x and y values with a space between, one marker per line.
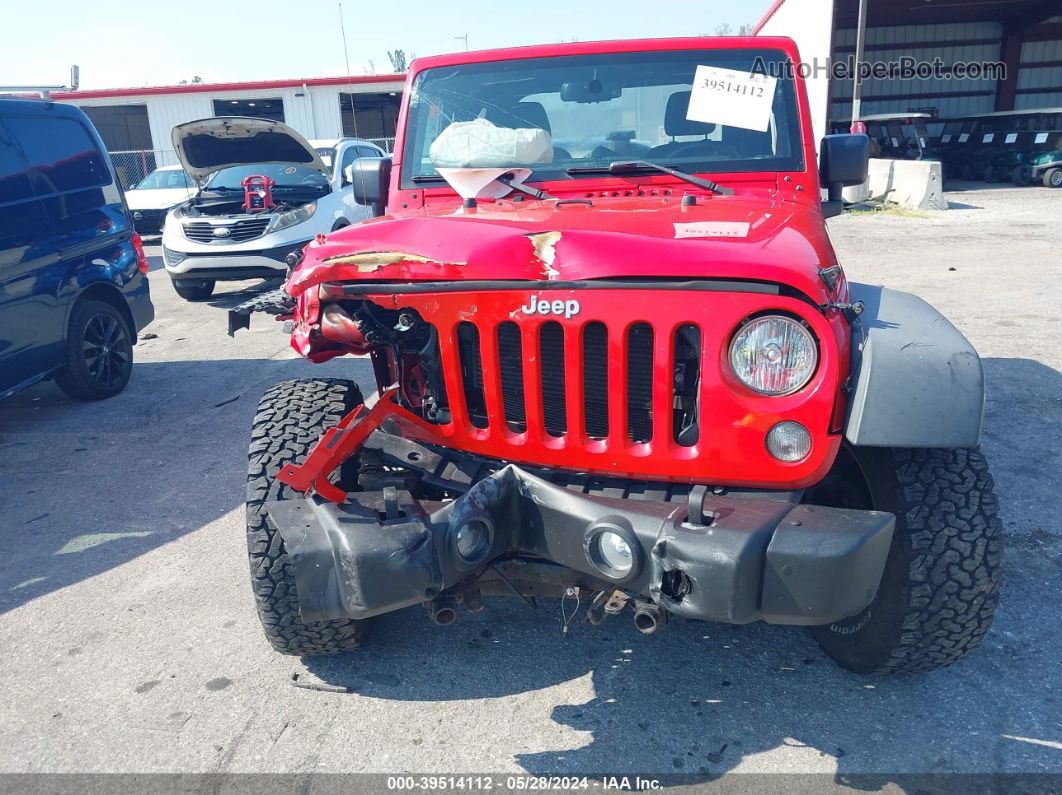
pixel 338 444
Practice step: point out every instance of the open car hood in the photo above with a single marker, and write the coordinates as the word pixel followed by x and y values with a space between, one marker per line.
pixel 209 145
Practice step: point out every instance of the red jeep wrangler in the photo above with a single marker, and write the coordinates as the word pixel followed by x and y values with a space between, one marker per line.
pixel 618 362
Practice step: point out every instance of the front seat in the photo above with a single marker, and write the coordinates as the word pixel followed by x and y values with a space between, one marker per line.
pixel 676 123
pixel 525 115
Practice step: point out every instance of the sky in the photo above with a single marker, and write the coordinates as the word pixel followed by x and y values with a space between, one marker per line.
pixel 120 43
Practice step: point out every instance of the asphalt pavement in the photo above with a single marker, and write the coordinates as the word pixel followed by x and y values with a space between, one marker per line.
pixel 129 640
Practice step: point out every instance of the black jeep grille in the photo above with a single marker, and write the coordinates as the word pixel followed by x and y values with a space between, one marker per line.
pixel 566 353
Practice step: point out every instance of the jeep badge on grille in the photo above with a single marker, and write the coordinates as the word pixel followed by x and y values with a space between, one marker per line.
pixel 540 306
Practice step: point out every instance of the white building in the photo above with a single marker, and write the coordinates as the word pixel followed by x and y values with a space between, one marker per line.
pixel 135 123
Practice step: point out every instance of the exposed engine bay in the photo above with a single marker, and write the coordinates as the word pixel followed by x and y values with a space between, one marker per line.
pixel 211 203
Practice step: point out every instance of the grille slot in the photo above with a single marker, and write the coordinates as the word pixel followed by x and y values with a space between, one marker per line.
pixel 472 373
pixel 551 341
pixel 685 402
pixel 600 383
pixel 511 365
pixel 239 232
pixel 640 382
pixel 595 380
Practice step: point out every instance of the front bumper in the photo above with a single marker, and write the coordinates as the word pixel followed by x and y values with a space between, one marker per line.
pixel 230 265
pixel 149 222
pixel 728 559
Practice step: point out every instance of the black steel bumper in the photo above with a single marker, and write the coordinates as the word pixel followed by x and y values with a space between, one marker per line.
pixel 733 559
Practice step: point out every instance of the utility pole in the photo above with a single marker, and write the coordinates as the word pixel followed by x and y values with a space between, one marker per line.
pixel 463 38
pixel 857 85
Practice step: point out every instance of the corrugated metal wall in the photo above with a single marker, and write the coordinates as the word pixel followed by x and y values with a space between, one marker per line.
pixel 1041 68
pixel 965 41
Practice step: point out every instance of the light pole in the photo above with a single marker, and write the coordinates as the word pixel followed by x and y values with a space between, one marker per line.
pixel 857 83
pixel 463 38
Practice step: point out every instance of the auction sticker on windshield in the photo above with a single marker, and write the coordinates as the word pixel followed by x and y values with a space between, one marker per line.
pixel 731 98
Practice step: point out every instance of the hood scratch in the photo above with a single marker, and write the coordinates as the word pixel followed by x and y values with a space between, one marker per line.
pixel 545 244
pixel 369 261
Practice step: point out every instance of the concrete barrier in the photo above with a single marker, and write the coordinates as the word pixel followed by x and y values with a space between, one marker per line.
pixel 913 184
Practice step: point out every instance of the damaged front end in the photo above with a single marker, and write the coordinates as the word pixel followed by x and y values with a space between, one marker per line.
pixel 436 526
pixel 536 437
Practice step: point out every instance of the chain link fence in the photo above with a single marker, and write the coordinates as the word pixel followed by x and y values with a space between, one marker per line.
pixel 133 165
pixel 387 144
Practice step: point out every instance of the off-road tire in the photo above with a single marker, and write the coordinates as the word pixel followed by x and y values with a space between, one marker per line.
pixel 941 582
pixel 1021 175
pixel 292 415
pixel 92 371
pixel 991 174
pixel 1053 178
pixel 193 289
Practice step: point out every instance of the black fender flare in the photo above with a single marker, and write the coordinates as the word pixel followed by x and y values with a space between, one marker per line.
pixel 915 381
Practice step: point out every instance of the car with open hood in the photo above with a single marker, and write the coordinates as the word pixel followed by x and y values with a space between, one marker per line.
pixel 630 375
pixel 263 192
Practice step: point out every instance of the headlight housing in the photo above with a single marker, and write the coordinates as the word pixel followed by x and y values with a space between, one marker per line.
pixel 773 355
pixel 292 217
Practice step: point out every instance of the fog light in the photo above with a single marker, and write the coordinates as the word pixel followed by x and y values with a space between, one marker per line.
pixel 472 540
pixel 789 441
pixel 614 552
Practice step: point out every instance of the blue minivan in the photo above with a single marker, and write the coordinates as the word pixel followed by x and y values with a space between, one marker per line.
pixel 73 274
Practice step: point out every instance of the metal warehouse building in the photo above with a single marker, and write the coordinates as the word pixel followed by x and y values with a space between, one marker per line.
pixel 135 123
pixel 1024 35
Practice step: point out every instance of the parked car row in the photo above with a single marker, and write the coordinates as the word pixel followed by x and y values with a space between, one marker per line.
pixel 1024 146
pixel 1021 145
pixel 73 287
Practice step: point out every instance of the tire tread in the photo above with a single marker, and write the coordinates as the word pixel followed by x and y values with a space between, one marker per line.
pixel 291 416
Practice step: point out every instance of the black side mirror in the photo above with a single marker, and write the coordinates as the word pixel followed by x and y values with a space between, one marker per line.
pixel 843 160
pixel 370 179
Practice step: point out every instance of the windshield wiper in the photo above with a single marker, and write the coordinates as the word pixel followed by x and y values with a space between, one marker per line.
pixel 634 166
pixel 504 179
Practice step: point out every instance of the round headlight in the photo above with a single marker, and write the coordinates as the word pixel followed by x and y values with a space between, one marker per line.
pixel 773 355
pixel 789 441
pixel 614 552
pixel 472 540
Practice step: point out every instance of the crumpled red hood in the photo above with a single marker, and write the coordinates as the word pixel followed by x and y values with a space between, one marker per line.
pixel 763 238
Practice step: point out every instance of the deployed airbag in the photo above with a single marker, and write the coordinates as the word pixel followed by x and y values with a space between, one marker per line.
pixel 480 144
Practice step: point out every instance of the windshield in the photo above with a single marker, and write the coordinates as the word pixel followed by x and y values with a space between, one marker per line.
pixel 283 174
pixel 698 111
pixel 170 178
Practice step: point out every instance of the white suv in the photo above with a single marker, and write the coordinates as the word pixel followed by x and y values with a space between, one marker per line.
pixel 212 236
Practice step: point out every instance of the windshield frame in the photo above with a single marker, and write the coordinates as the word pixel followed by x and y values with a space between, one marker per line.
pixel 791 92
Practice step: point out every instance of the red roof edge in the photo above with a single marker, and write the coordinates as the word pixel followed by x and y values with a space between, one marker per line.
pixel 767 16
pixel 196 88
